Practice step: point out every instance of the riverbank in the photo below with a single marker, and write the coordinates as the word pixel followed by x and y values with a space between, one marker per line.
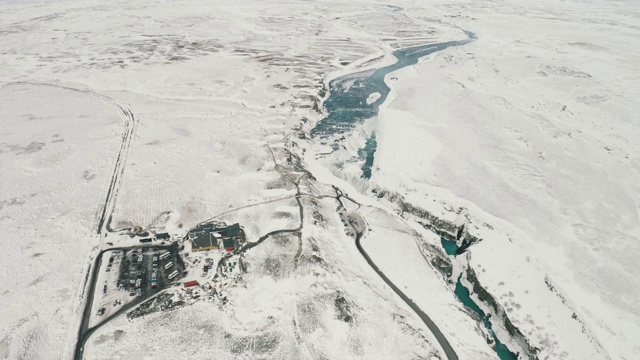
pixel 489 137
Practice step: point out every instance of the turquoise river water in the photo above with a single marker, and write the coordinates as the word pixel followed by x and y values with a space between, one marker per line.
pixel 347 107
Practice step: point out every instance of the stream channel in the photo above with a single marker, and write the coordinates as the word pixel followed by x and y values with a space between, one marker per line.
pixel 347 106
pixel 463 294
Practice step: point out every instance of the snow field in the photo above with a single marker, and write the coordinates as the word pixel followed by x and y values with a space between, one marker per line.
pixel 210 84
pixel 394 249
pixel 56 157
pixel 529 131
pixel 263 218
pixel 282 311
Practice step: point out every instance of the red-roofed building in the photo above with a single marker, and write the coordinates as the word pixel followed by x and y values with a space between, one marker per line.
pixel 228 244
pixel 191 283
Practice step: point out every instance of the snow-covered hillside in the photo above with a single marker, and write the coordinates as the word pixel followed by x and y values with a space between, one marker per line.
pixel 533 129
pixel 525 137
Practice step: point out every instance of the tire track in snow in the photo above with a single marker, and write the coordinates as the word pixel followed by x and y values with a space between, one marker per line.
pixel 107 206
pixel 105 212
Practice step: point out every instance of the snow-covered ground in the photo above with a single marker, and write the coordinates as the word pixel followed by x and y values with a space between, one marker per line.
pixel 531 129
pixel 210 84
pixel 528 134
pixel 321 307
pixel 56 150
pixel 263 218
pixel 394 247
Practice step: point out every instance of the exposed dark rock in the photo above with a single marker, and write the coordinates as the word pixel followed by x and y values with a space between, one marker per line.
pixel 500 314
pixel 443 265
pixel 441 227
pixel 343 309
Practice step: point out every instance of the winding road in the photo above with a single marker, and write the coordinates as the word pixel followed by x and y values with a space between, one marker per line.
pixel 104 224
pixel 359 227
pixel 104 215
pixel 347 106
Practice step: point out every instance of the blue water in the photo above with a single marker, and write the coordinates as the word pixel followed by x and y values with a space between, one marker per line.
pixel 463 294
pixel 450 247
pixel 347 105
pixel 367 154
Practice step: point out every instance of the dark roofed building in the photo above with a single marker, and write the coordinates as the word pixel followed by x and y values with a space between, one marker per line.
pixel 201 229
pixel 234 230
pixel 204 242
pixel 208 226
pixel 163 236
pixel 230 231
pixel 195 233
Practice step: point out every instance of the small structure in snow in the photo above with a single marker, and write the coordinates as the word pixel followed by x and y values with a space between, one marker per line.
pixel 228 244
pixel 163 236
pixel 191 283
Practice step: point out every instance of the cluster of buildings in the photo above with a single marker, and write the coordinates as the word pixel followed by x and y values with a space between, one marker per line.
pixel 214 236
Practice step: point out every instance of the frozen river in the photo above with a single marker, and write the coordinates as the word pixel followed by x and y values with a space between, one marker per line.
pixel 347 103
pixel 355 98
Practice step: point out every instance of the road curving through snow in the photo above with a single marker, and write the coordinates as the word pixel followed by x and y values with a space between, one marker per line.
pixel 359 227
pixel 351 101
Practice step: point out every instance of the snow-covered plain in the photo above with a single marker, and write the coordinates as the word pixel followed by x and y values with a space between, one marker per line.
pixel 530 133
pixel 531 129
pixel 56 151
pixel 210 84
pixel 395 247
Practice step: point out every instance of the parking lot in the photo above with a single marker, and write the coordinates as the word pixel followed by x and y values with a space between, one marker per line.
pixel 147 269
